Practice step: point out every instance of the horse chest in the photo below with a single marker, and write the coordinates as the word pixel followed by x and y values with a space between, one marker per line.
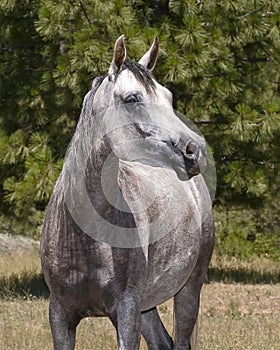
pixel 168 269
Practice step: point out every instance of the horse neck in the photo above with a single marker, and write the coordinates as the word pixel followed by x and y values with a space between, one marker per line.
pixel 101 173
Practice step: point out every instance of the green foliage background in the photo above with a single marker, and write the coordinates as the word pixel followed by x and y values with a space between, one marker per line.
pixel 219 58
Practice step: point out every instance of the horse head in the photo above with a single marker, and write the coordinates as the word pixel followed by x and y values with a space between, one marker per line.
pixel 141 124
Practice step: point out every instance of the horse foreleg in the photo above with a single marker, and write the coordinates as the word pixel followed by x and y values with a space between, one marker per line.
pixel 186 306
pixel 126 318
pixel 154 332
pixel 62 327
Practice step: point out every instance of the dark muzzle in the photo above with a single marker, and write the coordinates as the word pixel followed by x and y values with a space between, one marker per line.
pixel 192 156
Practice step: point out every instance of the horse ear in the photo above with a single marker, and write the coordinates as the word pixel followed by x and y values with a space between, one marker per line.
pixel 118 57
pixel 150 57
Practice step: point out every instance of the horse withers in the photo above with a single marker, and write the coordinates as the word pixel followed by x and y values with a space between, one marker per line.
pixel 129 224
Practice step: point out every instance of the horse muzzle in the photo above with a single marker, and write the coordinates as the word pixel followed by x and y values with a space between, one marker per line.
pixel 193 159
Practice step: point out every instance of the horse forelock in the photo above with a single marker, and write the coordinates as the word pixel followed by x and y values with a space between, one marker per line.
pixel 142 75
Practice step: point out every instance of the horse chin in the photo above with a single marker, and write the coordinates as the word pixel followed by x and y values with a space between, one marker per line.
pixel 182 174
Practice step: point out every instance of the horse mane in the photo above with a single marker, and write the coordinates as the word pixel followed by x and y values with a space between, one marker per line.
pixel 97 82
pixel 85 130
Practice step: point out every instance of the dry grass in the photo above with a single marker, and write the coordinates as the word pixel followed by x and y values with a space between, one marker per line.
pixel 232 316
pixel 242 317
pixel 239 317
pixel 18 254
pixel 19 262
pixel 259 266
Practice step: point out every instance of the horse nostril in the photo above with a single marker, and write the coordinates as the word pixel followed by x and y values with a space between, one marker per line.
pixel 189 151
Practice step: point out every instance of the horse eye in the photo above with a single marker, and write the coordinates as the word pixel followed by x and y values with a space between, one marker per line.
pixel 132 99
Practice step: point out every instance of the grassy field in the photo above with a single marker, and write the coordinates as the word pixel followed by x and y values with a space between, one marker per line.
pixel 239 317
pixel 18 254
pixel 232 316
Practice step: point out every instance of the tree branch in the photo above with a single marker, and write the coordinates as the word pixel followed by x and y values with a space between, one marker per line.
pixel 251 13
pixel 85 12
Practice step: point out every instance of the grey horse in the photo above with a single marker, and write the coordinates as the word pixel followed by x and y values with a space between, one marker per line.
pixel 129 224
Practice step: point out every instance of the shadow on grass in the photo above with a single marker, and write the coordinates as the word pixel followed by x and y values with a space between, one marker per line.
pixel 32 284
pixel 28 284
pixel 242 275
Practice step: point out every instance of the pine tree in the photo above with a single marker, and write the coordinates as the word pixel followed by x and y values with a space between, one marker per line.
pixel 219 58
